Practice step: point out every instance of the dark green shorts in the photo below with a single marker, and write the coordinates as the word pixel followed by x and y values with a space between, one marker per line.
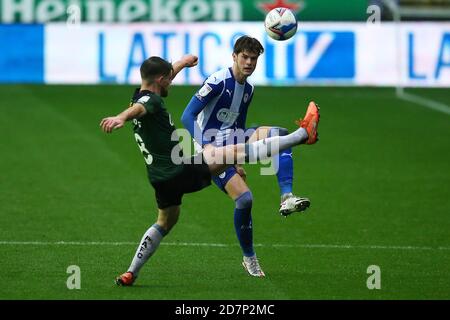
pixel 194 177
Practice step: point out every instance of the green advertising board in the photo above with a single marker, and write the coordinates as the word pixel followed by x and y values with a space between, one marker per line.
pixel 41 11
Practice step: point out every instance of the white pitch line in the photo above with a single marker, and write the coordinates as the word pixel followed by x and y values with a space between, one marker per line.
pixel 430 104
pixel 195 244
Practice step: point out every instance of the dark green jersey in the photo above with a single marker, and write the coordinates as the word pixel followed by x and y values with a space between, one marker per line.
pixel 153 133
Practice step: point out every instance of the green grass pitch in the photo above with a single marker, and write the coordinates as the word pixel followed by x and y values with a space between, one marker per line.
pixel 379 182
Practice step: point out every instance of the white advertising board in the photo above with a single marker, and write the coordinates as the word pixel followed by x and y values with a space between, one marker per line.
pixel 414 54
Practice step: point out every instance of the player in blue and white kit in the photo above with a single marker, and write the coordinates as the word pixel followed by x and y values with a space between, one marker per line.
pixel 214 116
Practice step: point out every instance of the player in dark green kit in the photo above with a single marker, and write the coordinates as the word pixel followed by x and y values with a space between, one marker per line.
pixel 154 133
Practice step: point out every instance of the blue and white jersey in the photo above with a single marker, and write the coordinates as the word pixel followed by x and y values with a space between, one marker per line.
pixel 220 104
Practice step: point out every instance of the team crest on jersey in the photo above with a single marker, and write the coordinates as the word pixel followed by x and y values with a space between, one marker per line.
pixel 245 98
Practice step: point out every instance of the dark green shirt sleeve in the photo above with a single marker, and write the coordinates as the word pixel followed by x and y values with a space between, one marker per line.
pixel 150 103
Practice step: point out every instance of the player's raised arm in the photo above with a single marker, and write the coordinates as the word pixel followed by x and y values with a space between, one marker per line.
pixel 110 123
pixel 189 119
pixel 186 61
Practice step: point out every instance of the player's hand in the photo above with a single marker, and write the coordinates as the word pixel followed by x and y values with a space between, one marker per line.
pixel 241 172
pixel 111 123
pixel 190 60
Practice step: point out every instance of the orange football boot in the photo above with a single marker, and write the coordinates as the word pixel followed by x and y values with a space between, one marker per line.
pixel 126 279
pixel 311 122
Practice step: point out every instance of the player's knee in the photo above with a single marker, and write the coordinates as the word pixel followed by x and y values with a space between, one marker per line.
pixel 278 131
pixel 244 201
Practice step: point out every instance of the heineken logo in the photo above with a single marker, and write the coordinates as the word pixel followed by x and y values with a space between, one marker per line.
pixel 29 11
pixel 42 11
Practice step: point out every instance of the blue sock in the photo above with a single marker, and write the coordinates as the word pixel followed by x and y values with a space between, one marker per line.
pixel 285 171
pixel 243 223
pixel 284 163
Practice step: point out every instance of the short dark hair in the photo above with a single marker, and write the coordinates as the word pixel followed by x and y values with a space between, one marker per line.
pixel 154 67
pixel 246 43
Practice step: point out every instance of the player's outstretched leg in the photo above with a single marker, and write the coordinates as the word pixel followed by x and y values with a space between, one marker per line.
pixel 219 159
pixel 306 134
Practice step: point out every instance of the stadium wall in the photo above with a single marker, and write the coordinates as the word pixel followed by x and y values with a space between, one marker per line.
pixel 409 54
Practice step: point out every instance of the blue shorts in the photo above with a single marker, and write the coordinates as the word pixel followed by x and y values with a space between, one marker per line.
pixel 222 179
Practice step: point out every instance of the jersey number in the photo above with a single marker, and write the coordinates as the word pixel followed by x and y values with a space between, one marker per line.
pixel 147 156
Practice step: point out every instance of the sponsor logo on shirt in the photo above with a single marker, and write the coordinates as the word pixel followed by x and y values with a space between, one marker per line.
pixel 143 100
pixel 204 91
pixel 227 116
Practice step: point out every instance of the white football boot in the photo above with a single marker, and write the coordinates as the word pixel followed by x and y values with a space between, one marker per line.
pixel 291 203
pixel 252 266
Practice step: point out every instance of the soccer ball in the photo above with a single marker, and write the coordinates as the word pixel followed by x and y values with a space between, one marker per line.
pixel 280 24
